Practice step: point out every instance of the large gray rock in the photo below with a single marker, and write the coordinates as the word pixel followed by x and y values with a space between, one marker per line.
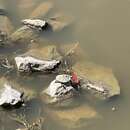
pixel 10 96
pixel 11 93
pixel 25 34
pixel 31 64
pixel 35 24
pixel 60 89
pixel 40 59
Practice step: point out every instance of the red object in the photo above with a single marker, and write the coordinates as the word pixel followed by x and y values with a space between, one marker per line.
pixel 74 78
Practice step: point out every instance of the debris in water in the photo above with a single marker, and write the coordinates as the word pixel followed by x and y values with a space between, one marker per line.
pixel 21 119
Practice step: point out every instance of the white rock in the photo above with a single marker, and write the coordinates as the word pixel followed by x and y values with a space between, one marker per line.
pixel 10 96
pixel 28 63
pixel 35 23
pixel 57 89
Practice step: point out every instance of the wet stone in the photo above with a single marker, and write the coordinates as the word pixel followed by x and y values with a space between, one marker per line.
pixel 76 117
pixel 61 89
pixel 23 35
pixel 48 52
pixel 97 80
pixel 25 7
pixel 35 24
pixel 31 64
pixel 6 28
pixel 13 94
pixel 59 22
pixel 55 24
pixel 10 96
pixel 41 10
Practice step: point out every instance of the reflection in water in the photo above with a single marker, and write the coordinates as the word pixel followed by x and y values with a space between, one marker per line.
pixel 102 27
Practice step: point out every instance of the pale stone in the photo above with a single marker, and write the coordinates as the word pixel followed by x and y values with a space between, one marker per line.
pixel 73 117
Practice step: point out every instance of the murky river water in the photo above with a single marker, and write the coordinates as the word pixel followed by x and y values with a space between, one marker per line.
pixel 102 27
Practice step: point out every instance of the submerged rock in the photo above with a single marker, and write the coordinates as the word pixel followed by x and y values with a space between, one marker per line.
pixel 96 79
pixel 32 25
pixel 31 64
pixel 61 88
pixel 76 117
pixel 25 7
pixel 10 96
pixel 48 52
pixel 6 26
pixel 25 34
pixel 72 53
pixel 59 22
pixel 41 10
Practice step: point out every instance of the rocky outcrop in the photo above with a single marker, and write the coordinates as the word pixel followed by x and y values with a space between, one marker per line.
pixel 13 94
pixel 31 64
pixel 61 88
pixel 10 96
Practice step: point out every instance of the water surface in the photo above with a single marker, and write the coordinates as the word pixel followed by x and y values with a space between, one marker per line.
pixel 102 27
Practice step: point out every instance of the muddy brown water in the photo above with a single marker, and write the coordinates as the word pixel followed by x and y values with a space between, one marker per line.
pixel 102 27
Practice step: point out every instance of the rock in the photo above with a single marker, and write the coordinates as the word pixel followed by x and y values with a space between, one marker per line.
pixel 6 26
pixel 16 91
pixel 98 80
pixel 22 129
pixel 55 23
pixel 35 24
pixel 5 63
pixel 10 96
pixel 114 108
pixel 45 59
pixel 41 10
pixel 5 22
pixel 31 64
pixel 59 22
pixel 25 7
pixel 76 117
pixel 48 52
pixel 73 50
pixel 23 35
pixel 61 88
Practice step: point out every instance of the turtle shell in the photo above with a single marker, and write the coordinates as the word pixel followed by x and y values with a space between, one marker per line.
pixel 64 78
